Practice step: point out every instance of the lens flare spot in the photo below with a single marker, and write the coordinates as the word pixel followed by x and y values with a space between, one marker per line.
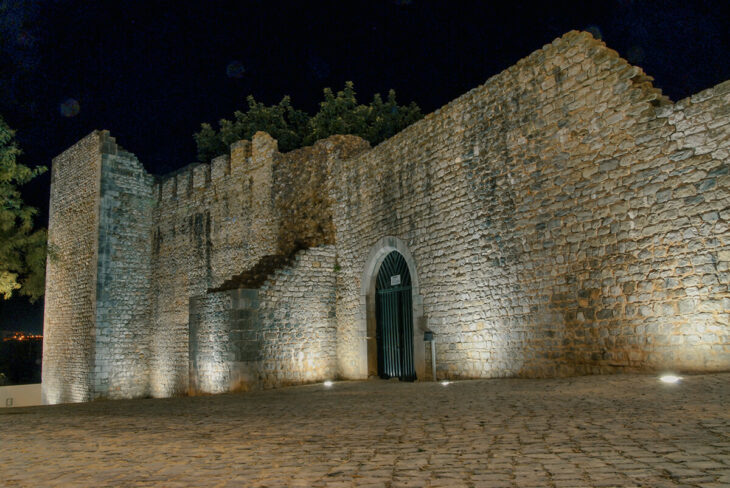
pixel 635 54
pixel 595 31
pixel 318 67
pixel 25 39
pixel 69 107
pixel 235 69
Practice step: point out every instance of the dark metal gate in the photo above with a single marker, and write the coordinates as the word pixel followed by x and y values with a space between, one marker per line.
pixel 394 312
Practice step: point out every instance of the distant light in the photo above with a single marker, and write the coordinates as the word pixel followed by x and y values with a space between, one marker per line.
pixel 445 383
pixel 328 383
pixel 670 378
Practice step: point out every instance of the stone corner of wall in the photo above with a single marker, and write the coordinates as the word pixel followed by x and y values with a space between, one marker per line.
pixel 127 160
pixel 93 138
pixel 107 143
pixel 242 147
pixel 343 146
pixel 263 145
pixel 580 45
pixel 714 92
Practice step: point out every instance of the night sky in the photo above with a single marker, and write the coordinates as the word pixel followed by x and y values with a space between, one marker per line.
pixel 151 72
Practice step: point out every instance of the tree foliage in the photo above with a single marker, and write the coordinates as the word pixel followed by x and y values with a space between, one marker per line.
pixel 339 113
pixel 282 121
pixel 22 249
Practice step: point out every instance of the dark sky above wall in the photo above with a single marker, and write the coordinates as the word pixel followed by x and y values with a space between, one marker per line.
pixel 151 72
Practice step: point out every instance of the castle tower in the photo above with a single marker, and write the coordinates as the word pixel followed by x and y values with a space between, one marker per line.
pixel 98 274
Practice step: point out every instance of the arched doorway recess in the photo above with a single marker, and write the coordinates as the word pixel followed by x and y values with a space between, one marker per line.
pixel 368 324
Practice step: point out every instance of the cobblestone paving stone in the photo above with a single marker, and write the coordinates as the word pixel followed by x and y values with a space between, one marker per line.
pixel 599 431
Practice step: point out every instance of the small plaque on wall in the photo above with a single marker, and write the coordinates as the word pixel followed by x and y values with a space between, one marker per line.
pixel 395 280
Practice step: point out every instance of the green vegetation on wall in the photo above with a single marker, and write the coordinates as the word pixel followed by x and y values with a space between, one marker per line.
pixel 339 113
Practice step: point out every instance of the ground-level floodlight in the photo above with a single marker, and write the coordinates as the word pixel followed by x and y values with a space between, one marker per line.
pixel 670 378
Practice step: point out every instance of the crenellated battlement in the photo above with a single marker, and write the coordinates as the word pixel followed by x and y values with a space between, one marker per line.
pixel 243 156
pixel 220 167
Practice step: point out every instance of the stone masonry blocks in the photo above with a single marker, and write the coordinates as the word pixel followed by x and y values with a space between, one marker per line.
pixel 564 218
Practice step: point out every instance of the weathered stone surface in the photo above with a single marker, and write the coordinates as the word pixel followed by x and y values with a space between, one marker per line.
pixel 259 204
pixel 282 333
pixel 563 218
pixel 123 309
pixel 543 229
pixel 69 322
pixel 98 285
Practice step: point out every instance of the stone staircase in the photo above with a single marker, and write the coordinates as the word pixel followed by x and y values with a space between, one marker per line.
pixel 254 277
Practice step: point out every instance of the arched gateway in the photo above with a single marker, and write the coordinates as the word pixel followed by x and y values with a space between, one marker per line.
pixel 393 321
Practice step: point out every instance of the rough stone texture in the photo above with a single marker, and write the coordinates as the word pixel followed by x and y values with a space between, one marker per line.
pixel 282 333
pixel 123 277
pixel 70 300
pixel 97 285
pixel 563 218
pixel 158 243
pixel 297 313
pixel 211 321
pixel 213 222
pixel 301 191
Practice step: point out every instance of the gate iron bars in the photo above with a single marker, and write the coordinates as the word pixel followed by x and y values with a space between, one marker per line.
pixel 394 311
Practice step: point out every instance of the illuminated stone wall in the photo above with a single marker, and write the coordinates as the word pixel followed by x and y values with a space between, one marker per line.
pixel 143 246
pixel 564 218
pixel 199 208
pixel 70 299
pixel 213 222
pixel 281 333
pixel 96 324
pixel 213 318
pixel 123 311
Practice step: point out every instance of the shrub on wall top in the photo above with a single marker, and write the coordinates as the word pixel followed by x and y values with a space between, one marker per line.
pixel 339 113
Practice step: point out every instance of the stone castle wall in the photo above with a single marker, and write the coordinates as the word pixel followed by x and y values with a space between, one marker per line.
pixel 564 218
pixel 134 249
pixel 212 222
pixel 301 191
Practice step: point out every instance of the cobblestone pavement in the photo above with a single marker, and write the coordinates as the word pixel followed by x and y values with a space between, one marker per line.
pixel 571 432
